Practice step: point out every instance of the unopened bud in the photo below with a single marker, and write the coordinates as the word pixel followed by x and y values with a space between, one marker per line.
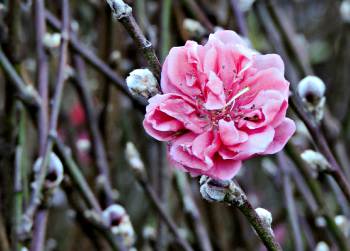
pixel 116 218
pixel 119 8
pixel 315 160
pixel 142 82
pixel 134 160
pixel 133 157
pixel 149 233
pixel 320 222
pixel 52 40
pixel 115 57
pixel 322 246
pixel 311 89
pixel 193 27
pixel 221 191
pixel 345 11
pixel 265 216
pixel 54 174
pixel 343 223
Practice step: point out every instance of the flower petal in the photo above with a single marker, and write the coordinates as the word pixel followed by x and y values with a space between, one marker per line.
pixel 215 97
pixel 229 134
pixel 282 133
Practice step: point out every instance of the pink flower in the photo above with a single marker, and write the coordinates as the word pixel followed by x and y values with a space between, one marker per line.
pixel 223 103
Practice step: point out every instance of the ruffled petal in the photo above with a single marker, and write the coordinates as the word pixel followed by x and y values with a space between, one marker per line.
pixel 229 134
pixel 215 95
pixel 282 133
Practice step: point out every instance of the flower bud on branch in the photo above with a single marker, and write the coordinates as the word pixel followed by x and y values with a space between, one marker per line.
pixel 116 218
pixel 54 175
pixel 311 89
pixel 315 160
pixel 229 192
pixel 52 40
pixel 119 8
pixel 142 82
pixel 345 11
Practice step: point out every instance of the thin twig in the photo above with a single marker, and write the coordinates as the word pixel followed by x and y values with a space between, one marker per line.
pixel 96 62
pixel 35 200
pixel 123 13
pixel 165 27
pixel 39 230
pixel 199 14
pixel 4 240
pixel 192 211
pixel 85 191
pixel 42 78
pixel 97 142
pixel 319 197
pixel 26 93
pixel 77 177
pixel 17 199
pixel 139 171
pixel 290 202
pixel 169 221
pixel 240 19
pixel 297 105
pixel 228 192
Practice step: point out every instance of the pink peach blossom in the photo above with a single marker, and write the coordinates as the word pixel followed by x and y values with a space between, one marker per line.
pixel 222 103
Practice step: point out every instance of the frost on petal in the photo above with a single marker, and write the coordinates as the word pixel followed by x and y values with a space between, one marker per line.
pixel 282 133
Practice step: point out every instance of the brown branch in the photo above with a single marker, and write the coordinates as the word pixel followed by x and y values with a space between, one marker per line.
pixel 123 13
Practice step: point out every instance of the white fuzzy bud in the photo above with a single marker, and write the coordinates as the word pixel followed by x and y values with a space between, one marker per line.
pixel 221 191
pixel 54 174
pixel 116 218
pixel 119 8
pixel 52 40
pixel 75 26
pixel 115 57
pixel 265 216
pixel 193 27
pixel 312 89
pixel 149 233
pixel 343 223
pixel 322 246
pixel 345 11
pixel 315 160
pixel 311 85
pixel 320 222
pixel 133 157
pixel 142 82
pixel 134 160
